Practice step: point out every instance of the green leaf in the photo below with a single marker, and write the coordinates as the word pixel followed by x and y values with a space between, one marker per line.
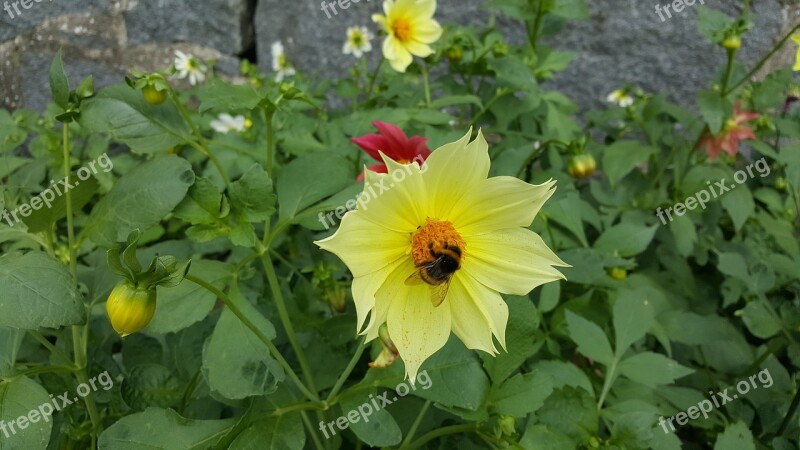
pixel 759 321
pixel 203 204
pixel 565 211
pixel 549 296
pixel 714 109
pixel 734 265
pixel 183 305
pixel 592 341
pixel 163 429
pixel 151 385
pixel 252 195
pixel 222 96
pixel 712 23
pixel 248 370
pixel 512 72
pixel 453 100
pixel 37 292
pixel 736 436
pixel 284 432
pixel 633 318
pixel 140 199
pixel 571 411
pixel 44 218
pixel 309 179
pixel 59 83
pixel 375 428
pixel 23 397
pixel 123 114
pixel 652 369
pixel 10 340
pixel 622 156
pixel 626 239
pixel 522 394
pixel 545 437
pixel 740 205
pixel 454 378
pixel 684 233
pixel 521 339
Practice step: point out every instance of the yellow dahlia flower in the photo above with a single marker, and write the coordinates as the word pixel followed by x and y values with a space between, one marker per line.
pixel 433 251
pixel 410 29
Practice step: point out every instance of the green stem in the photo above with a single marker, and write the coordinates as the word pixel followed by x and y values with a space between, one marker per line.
pixel 283 313
pixel 342 378
pixel 416 423
pixel 79 332
pixel 311 430
pixel 728 70
pixel 373 79
pixel 533 35
pixel 610 376
pixel 200 145
pixel 259 334
pixel 268 118
pixel 762 62
pixel 790 413
pixel 300 406
pixel 444 431
pixel 426 83
pixel 502 93
pixel 55 351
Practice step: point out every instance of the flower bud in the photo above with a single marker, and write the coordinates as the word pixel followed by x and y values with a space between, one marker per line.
pixel 508 425
pixel 154 96
pixel 581 166
pixel 618 273
pixel 732 43
pixel 130 308
pixel 455 54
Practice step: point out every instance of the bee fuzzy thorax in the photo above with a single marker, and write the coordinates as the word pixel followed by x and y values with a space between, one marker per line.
pixel 432 239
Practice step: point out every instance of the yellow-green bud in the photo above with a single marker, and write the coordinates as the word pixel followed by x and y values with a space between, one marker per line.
pixel 130 308
pixel 618 273
pixel 581 166
pixel 732 43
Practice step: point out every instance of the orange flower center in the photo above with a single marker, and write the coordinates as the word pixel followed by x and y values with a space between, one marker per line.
pixel 401 28
pixel 431 238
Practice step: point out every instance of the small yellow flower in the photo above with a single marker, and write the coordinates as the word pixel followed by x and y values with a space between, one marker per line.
pixel 796 39
pixel 432 254
pixel 410 30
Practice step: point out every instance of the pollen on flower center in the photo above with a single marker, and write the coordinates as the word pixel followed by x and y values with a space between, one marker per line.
pixel 402 29
pixel 431 238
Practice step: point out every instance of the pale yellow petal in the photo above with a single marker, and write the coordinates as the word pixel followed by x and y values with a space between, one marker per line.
pixel 469 322
pixel 418 49
pixel 427 31
pixel 419 9
pixel 397 200
pixel 454 170
pixel 398 56
pixel 488 301
pixel 364 289
pixel 417 328
pixel 499 203
pixel 365 246
pixel 512 261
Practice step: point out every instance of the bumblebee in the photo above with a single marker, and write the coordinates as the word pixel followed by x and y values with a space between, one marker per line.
pixel 437 272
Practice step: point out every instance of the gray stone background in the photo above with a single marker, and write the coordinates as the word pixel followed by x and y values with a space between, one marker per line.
pixel 624 41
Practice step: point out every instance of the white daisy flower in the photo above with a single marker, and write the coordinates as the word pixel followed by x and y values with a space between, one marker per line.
pixel 225 123
pixel 358 41
pixel 189 66
pixel 280 65
pixel 620 97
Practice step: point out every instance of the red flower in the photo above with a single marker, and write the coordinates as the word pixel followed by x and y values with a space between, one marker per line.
pixel 728 139
pixel 394 144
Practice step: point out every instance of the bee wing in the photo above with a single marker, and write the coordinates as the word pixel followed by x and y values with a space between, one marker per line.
pixel 416 278
pixel 439 293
